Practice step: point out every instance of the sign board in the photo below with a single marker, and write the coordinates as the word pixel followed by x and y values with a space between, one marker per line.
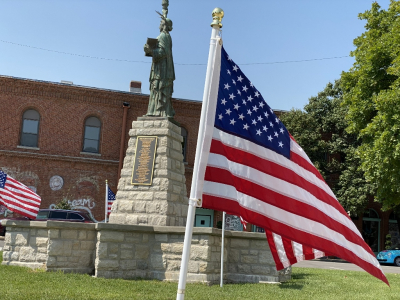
pixel 143 164
pixel 232 223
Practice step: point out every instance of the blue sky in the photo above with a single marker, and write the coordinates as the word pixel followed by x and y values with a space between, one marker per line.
pixel 254 31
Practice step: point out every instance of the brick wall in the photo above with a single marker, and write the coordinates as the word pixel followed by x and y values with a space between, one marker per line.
pixel 63 109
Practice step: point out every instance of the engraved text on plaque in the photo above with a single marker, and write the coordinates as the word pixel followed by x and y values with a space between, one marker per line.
pixel 143 165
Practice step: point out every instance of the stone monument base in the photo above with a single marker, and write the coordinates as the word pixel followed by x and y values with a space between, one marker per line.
pixel 164 202
pixel 132 251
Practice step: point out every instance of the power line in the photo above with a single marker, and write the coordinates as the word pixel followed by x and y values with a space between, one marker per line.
pixel 179 64
pixel 74 54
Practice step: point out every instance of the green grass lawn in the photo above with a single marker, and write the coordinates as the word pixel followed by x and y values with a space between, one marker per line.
pixel 27 284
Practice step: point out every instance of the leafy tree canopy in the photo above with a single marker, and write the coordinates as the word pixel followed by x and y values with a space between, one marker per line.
pixel 371 92
pixel 320 130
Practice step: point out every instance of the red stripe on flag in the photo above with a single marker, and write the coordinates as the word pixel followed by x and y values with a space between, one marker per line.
pixel 274 252
pixel 19 198
pixel 294 157
pixel 273 169
pixel 308 253
pixel 327 246
pixel 281 201
pixel 287 244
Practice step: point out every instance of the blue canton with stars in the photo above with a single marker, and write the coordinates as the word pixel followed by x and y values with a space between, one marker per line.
pixel 242 111
pixel 111 195
pixel 3 179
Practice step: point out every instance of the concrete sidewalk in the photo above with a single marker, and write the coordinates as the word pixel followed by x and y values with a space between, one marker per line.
pixel 340 264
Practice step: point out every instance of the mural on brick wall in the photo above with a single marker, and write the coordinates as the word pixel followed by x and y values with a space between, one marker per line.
pixel 29 178
pixel 80 196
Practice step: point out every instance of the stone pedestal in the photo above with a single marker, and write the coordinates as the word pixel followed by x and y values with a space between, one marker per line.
pixel 129 251
pixel 164 202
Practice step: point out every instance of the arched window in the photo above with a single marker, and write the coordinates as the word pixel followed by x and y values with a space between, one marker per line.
pixel 91 140
pixel 30 128
pixel 184 143
pixel 371 213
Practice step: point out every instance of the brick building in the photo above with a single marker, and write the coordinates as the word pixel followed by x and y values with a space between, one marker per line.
pixel 64 140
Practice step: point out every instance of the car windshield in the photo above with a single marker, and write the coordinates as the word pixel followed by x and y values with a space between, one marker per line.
pixel 42 215
pixel 397 247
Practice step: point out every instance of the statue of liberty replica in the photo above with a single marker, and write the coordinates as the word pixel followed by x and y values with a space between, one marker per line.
pixel 162 73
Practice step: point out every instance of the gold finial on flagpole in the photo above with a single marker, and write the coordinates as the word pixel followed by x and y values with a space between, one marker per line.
pixel 217 14
pixel 106 181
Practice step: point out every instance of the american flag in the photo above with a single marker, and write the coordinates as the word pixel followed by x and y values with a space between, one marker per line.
pixel 253 168
pixel 110 199
pixel 17 197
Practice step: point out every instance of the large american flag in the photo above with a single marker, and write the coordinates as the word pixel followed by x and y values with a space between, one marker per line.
pixel 17 197
pixel 253 168
pixel 110 199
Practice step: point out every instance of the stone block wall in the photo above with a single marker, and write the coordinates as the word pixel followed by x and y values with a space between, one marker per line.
pixel 155 252
pixel 132 251
pixel 165 202
pixel 53 246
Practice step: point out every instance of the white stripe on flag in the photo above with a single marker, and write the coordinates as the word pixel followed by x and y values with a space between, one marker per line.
pixel 295 221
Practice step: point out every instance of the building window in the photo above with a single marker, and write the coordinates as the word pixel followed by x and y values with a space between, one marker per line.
pixel 204 217
pixel 258 229
pixel 91 141
pixel 184 143
pixel 394 230
pixel 371 229
pixel 30 128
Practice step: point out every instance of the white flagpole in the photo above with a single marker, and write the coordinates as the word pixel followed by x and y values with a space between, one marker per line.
pixel 192 200
pixel 222 250
pixel 106 206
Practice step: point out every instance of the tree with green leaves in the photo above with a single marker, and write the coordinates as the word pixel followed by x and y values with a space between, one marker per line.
pixel 371 93
pixel 320 130
pixel 63 204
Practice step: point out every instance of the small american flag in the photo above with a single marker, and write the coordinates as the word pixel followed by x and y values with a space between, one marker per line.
pixel 110 200
pixel 17 197
pixel 250 166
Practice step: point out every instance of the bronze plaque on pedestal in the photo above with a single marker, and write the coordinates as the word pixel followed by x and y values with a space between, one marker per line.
pixel 143 164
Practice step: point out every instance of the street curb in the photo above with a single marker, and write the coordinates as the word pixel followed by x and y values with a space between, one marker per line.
pixel 339 260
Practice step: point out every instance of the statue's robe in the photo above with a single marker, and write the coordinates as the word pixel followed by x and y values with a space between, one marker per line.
pixel 162 78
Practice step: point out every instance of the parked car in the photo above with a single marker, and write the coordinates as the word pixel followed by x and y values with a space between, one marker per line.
pixel 391 256
pixel 54 215
pixel 64 215
pixel 3 229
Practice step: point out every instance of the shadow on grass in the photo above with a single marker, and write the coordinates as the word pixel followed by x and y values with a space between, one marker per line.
pixel 300 276
pixel 292 285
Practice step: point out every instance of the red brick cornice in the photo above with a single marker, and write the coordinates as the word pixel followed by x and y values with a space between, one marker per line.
pixel 58 157
pixel 53 90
